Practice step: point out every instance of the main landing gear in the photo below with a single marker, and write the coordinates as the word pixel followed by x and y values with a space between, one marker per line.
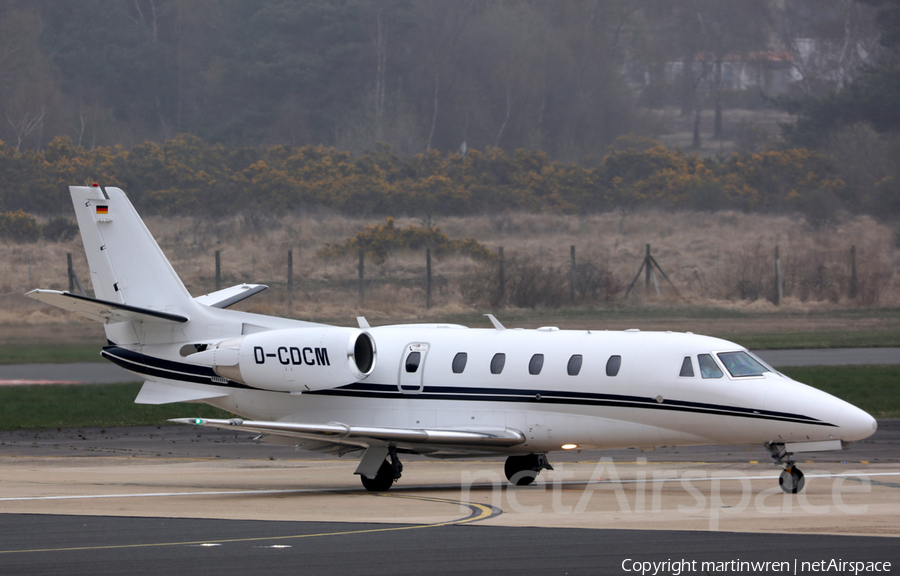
pixel 521 470
pixel 387 474
pixel 791 479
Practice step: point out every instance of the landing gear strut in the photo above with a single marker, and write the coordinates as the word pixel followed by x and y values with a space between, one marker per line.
pixel 791 479
pixel 522 470
pixel 387 474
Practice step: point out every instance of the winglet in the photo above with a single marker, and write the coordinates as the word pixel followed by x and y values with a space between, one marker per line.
pixel 495 322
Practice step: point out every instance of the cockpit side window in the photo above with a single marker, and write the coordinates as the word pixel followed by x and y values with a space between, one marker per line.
pixel 687 368
pixel 708 366
pixel 740 364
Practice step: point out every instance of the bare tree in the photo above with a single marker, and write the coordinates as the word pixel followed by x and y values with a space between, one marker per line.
pixel 828 41
pixel 29 89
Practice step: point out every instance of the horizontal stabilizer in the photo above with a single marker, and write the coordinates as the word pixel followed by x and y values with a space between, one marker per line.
pixel 362 436
pixel 230 296
pixel 102 310
pixel 159 393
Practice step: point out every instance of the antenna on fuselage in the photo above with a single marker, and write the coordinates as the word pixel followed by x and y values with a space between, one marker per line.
pixel 495 322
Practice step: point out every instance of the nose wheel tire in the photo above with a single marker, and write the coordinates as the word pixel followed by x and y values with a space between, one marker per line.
pixel 791 480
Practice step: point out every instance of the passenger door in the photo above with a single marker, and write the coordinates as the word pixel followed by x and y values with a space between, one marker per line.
pixel 412 368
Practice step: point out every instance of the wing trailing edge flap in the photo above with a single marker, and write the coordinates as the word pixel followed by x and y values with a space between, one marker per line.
pixel 365 436
pixel 103 310
pixel 162 393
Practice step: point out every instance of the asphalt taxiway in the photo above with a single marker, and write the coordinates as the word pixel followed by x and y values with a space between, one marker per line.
pixel 181 500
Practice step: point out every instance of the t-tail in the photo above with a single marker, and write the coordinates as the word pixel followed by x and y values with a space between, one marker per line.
pixel 126 264
pixel 138 296
pixel 134 285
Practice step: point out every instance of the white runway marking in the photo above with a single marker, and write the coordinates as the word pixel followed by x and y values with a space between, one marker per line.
pixel 36 382
pixel 164 494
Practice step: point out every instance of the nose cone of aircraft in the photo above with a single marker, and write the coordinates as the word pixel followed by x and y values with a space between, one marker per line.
pixel 855 424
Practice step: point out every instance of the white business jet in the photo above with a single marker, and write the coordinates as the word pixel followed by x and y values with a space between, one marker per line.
pixel 438 390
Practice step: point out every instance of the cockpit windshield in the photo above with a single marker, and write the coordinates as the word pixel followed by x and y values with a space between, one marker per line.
pixel 742 364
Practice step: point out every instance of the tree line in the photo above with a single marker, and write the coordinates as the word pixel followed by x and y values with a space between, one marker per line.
pixel 187 176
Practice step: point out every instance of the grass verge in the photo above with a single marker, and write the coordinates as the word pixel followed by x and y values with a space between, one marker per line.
pixel 875 389
pixel 818 339
pixel 56 353
pixel 101 405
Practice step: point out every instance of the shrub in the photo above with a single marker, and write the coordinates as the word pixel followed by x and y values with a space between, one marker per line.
pixel 380 240
pixel 19 227
pixel 593 283
pixel 60 229
pixel 527 285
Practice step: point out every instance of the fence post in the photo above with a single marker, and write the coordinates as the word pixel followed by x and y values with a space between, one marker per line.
pixel 854 282
pixel 572 275
pixel 779 281
pixel 428 278
pixel 70 272
pixel 362 275
pixel 647 272
pixel 290 279
pixel 502 275
pixel 218 270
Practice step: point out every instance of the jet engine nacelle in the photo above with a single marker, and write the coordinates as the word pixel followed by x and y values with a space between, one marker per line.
pixel 294 359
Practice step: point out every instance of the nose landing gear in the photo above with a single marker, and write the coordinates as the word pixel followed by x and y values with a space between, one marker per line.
pixel 791 479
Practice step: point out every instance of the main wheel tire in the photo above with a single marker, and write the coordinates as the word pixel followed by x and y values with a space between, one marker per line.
pixel 522 470
pixel 382 481
pixel 791 480
pixel 523 477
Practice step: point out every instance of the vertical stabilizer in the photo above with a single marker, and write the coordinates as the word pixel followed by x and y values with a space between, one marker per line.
pixel 127 265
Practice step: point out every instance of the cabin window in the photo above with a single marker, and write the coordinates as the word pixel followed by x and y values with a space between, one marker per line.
pixel 536 364
pixel 741 364
pixel 497 363
pixel 708 367
pixel 687 368
pixel 459 362
pixel 574 366
pixel 412 361
pixel 613 365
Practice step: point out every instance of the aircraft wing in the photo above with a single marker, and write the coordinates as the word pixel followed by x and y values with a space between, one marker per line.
pixel 228 296
pixel 102 310
pixel 365 436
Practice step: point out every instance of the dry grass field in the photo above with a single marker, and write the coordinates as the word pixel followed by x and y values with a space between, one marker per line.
pixel 721 260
